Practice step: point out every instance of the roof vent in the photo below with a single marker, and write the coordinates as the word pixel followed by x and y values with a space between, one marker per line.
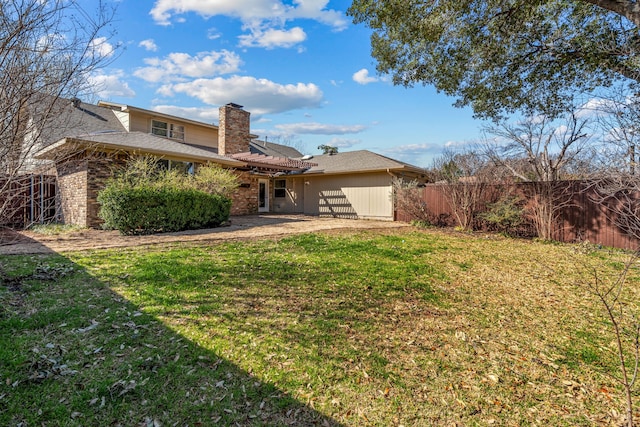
pixel 307 157
pixel 76 102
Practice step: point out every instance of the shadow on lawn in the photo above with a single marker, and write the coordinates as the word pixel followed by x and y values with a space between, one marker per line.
pixel 245 222
pixel 73 352
pixel 13 242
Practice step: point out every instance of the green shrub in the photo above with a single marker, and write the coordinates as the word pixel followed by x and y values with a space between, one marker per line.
pixel 146 209
pixel 420 223
pixel 214 179
pixel 144 198
pixel 505 214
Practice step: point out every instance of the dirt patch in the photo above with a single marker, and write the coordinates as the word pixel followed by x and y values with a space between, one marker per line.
pixel 239 228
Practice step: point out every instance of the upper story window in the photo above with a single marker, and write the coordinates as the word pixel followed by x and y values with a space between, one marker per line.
pixel 168 130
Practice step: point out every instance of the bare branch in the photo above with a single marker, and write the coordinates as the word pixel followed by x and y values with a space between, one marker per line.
pixel 542 153
pixel 48 51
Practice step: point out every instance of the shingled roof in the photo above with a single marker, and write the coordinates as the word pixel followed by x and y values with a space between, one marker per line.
pixel 273 149
pixel 73 117
pixel 358 161
pixel 139 142
pixel 86 126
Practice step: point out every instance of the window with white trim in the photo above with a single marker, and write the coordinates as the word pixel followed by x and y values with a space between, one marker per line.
pixel 168 130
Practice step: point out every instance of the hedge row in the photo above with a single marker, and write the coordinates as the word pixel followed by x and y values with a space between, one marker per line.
pixel 148 209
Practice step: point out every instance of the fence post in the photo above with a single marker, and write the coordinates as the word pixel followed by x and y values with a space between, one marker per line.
pixel 41 220
pixel 31 207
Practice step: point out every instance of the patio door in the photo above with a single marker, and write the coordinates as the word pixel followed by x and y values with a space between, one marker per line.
pixel 263 195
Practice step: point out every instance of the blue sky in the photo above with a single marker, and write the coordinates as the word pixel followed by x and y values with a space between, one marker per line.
pixel 301 67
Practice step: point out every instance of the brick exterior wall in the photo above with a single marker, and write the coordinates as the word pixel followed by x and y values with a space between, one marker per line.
pixel 99 171
pixel 244 200
pixel 80 179
pixel 234 137
pixel 233 130
pixel 72 191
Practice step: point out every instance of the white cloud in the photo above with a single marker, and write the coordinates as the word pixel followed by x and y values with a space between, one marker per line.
pixel 177 66
pixel 149 45
pixel 362 77
pixel 265 20
pixel 101 47
pixel 272 38
pixel 213 34
pixel 458 145
pixel 259 96
pixel 250 11
pixel 201 114
pixel 414 149
pixel 343 143
pixel 312 128
pixel 270 134
pixel 598 107
pixel 110 85
pixel 415 154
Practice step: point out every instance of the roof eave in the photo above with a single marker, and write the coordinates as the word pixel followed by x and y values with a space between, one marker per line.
pixel 362 171
pixel 76 145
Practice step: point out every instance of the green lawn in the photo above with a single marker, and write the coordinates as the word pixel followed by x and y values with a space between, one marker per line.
pixel 410 327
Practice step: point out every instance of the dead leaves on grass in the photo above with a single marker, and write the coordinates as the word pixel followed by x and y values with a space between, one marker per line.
pixel 492 354
pixel 48 366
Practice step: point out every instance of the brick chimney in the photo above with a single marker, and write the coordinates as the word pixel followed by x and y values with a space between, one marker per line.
pixel 233 130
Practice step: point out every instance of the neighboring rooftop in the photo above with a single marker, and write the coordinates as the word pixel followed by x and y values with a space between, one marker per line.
pixel 272 149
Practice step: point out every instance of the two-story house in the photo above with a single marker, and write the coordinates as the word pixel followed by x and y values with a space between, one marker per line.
pixel 274 177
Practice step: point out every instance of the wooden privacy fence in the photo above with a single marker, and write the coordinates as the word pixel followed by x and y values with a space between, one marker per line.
pixel 584 213
pixel 27 200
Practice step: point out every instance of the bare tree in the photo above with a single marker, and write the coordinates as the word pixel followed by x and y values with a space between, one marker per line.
pixel 407 197
pixel 615 188
pixel 617 115
pixel 540 152
pixel 48 50
pixel 464 177
pixel 610 291
pixel 615 182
